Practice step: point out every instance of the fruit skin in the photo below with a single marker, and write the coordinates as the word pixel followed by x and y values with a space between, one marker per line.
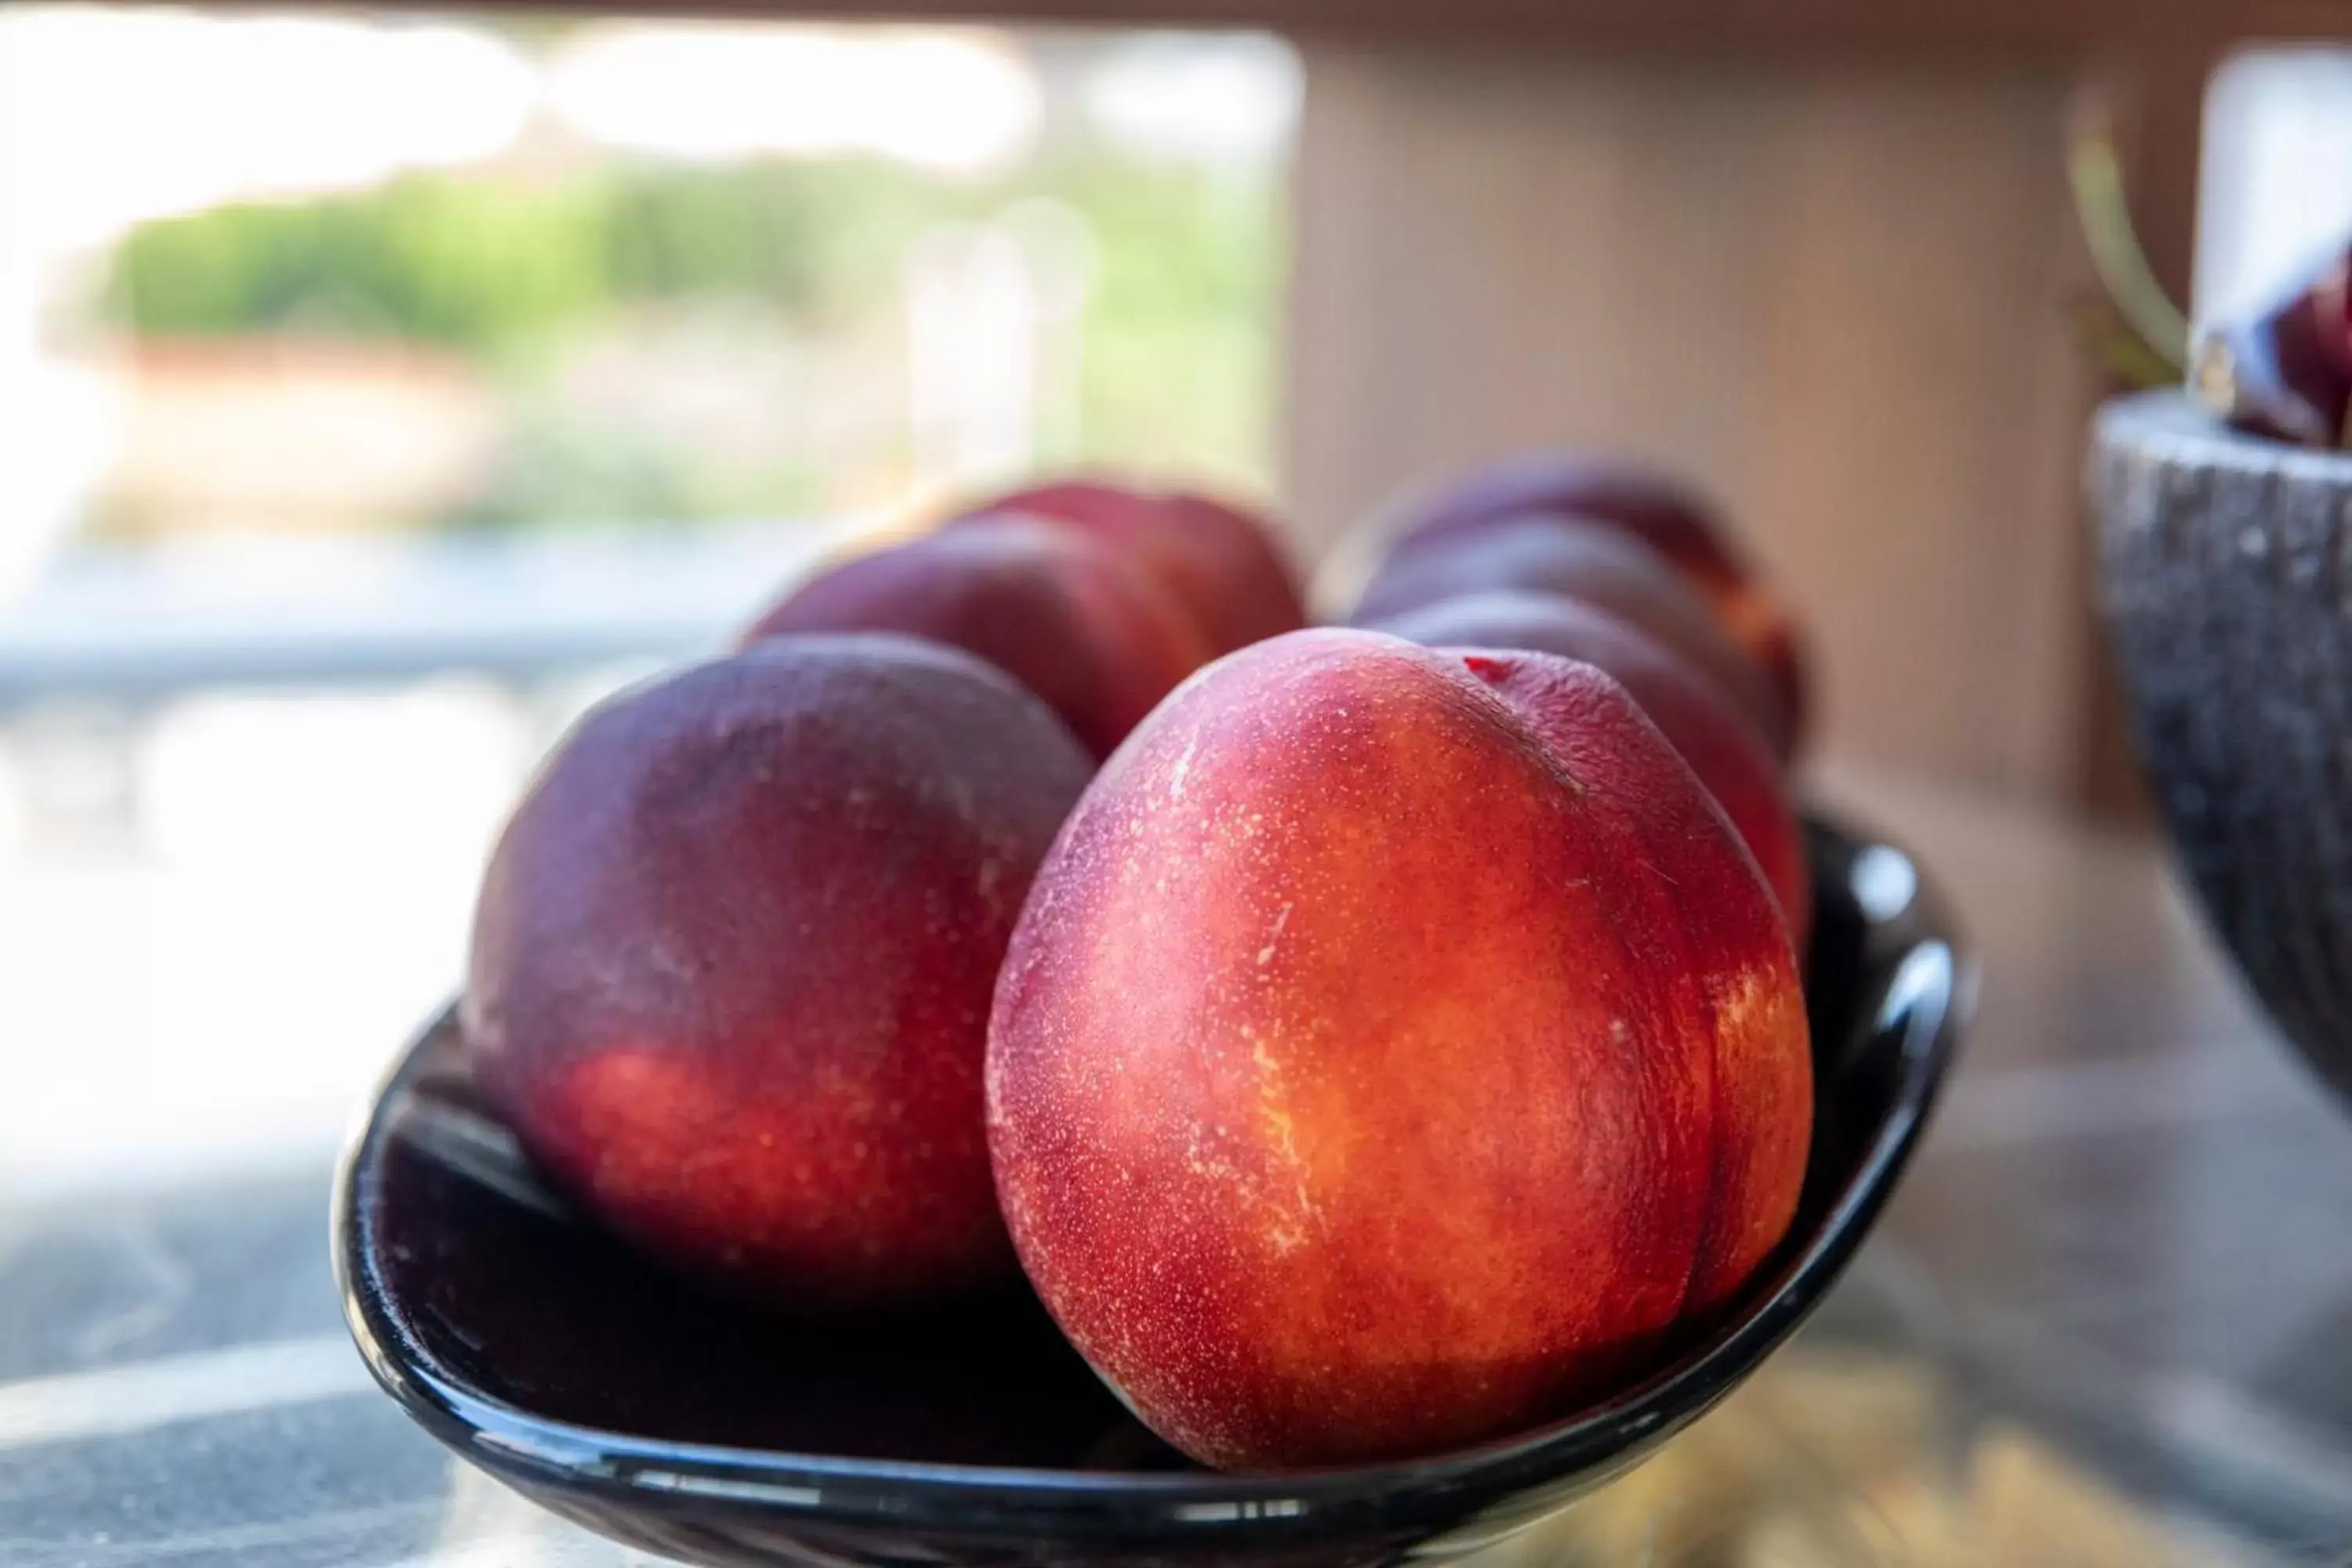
pixel 1222 561
pixel 1075 621
pixel 1721 747
pixel 1600 565
pixel 1368 1078
pixel 732 960
pixel 1670 517
pixel 1763 1099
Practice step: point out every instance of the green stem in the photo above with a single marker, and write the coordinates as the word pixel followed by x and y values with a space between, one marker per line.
pixel 2095 174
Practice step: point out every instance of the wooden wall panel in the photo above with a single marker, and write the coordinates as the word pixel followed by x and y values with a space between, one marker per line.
pixel 2156 99
pixel 1834 293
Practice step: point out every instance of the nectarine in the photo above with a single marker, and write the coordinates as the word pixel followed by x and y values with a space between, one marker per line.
pixel 1092 632
pixel 1220 561
pixel 1393 1054
pixel 1720 745
pixel 732 960
pixel 1600 565
pixel 1674 521
pixel 1763 1101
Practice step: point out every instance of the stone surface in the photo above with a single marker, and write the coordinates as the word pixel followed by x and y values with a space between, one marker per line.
pixel 2226 579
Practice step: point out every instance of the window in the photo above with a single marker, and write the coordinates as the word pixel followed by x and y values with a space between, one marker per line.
pixel 381 391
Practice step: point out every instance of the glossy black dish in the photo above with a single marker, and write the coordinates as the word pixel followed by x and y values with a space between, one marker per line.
pixel 549 1356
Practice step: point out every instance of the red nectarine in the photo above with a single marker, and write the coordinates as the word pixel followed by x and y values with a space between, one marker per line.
pixel 1220 561
pixel 1391 1055
pixel 732 960
pixel 1671 518
pixel 1075 621
pixel 1720 745
pixel 1600 565
pixel 1762 1100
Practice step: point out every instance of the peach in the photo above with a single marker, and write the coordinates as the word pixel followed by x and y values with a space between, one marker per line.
pixel 1222 561
pixel 1764 1089
pixel 1396 1050
pixel 1721 747
pixel 1678 524
pixel 1088 630
pixel 1600 565
pixel 732 960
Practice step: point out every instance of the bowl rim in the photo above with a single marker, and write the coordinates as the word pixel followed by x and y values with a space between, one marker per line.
pixel 2170 426
pixel 1928 996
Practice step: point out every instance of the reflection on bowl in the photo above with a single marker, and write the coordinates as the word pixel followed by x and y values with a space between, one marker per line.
pixel 2226 578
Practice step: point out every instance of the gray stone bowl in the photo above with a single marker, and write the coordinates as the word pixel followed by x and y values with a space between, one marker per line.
pixel 2225 568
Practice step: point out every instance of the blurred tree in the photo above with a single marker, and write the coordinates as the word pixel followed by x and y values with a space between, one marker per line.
pixel 1178 356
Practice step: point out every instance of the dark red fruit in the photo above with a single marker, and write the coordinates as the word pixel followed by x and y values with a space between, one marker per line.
pixel 1670 517
pixel 1077 622
pixel 1720 745
pixel 1594 563
pixel 1220 561
pixel 732 960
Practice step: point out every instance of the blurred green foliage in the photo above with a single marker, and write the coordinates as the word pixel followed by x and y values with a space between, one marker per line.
pixel 1178 358
pixel 467 265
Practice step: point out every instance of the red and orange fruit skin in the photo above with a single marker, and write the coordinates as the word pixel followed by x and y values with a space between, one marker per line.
pixel 1717 741
pixel 1087 629
pixel 1218 559
pixel 1670 518
pixel 1594 563
pixel 732 960
pixel 1396 1050
pixel 1761 1069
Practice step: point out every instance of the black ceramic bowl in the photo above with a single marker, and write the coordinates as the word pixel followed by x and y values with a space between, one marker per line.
pixel 2226 578
pixel 544 1353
